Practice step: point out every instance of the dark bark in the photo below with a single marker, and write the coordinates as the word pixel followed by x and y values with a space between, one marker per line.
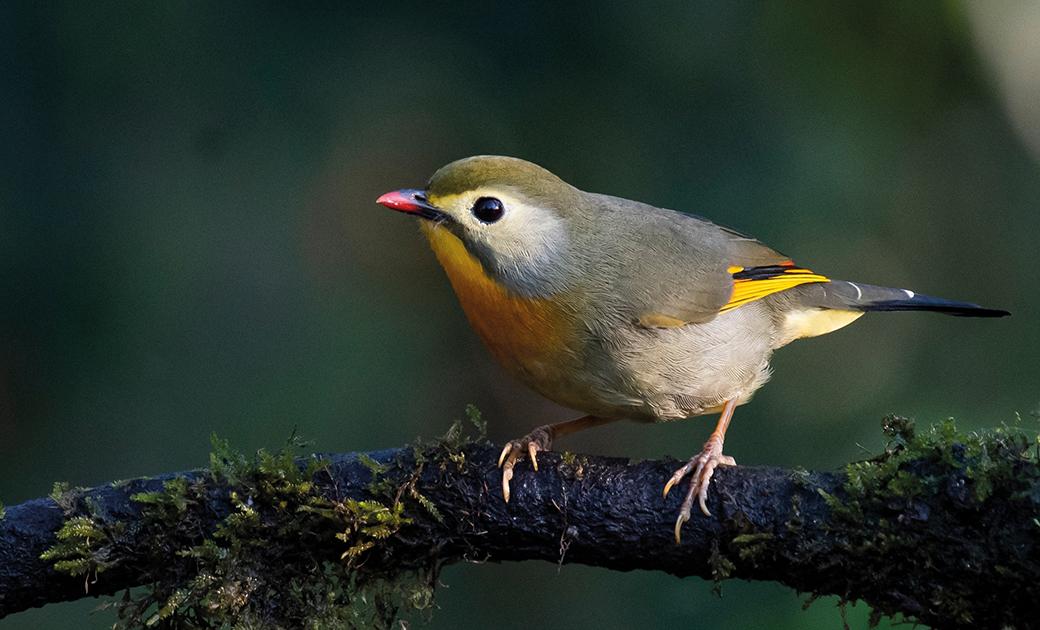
pixel 938 556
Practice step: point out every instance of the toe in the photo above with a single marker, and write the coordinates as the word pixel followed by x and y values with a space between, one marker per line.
pixel 698 472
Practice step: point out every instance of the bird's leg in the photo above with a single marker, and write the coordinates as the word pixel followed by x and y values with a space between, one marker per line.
pixel 703 466
pixel 540 439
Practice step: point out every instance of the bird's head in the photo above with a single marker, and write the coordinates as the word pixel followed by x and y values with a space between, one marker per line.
pixel 515 217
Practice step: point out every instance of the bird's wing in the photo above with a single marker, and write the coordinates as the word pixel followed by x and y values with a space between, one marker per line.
pixel 715 269
pixel 745 251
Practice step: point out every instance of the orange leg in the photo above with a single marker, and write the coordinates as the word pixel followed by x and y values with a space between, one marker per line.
pixel 703 466
pixel 540 439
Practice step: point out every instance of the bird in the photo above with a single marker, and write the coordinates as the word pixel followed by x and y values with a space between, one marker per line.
pixel 623 310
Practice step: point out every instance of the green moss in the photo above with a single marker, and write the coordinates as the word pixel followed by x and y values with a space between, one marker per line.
pixel 449 448
pixel 573 466
pixel 750 546
pixel 169 504
pixel 368 523
pixel 245 568
pixel 86 542
pixel 721 567
pixel 62 494
pixel 82 548
pixel 929 475
pixel 914 464
pixel 247 572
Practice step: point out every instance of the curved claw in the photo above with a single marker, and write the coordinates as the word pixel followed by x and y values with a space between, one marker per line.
pixel 679 522
pixel 532 454
pixel 668 487
pixel 702 499
pixel 506 476
pixel 507 473
pixel 677 477
pixel 505 451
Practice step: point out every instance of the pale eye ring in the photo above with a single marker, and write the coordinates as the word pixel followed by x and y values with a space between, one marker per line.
pixel 488 209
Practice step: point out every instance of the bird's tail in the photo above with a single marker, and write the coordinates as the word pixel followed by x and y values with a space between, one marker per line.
pixel 814 305
pixel 855 296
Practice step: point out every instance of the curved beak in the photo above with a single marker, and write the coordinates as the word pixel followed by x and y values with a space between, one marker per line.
pixel 412 201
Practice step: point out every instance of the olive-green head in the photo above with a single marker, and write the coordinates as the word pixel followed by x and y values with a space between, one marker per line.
pixel 516 217
pixel 496 173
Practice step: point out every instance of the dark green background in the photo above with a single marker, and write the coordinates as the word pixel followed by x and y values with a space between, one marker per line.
pixel 189 241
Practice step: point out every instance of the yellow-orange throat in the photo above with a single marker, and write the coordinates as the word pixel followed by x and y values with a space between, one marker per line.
pixel 525 334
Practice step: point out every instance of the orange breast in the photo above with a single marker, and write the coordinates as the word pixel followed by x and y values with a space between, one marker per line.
pixel 529 336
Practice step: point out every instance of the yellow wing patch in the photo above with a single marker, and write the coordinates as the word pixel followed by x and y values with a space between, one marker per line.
pixel 755 283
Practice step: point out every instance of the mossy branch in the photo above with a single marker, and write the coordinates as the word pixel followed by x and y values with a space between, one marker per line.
pixel 942 529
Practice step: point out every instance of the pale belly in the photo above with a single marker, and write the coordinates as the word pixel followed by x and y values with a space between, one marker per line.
pixel 674 373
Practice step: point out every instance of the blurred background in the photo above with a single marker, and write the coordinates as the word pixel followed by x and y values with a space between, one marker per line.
pixel 189 241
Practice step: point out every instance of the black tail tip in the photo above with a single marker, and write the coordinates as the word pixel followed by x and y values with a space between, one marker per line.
pixel 936 305
pixel 979 311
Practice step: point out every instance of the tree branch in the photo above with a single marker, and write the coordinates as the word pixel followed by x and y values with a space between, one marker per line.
pixel 943 532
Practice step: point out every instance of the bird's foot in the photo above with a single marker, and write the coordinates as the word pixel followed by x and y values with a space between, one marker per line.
pixel 538 440
pixel 703 466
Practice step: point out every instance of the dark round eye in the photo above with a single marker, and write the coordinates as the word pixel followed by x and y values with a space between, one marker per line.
pixel 488 209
